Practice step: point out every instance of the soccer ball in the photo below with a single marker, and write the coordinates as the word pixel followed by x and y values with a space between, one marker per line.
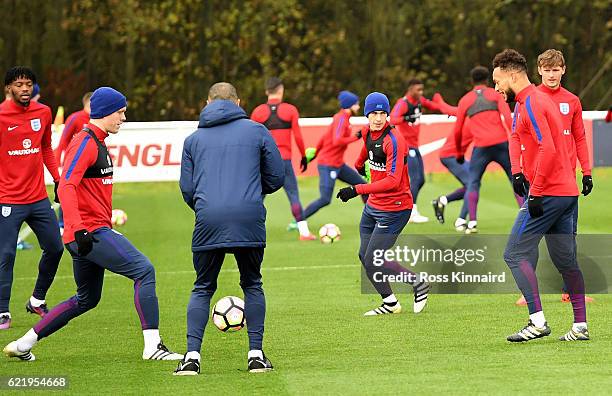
pixel 329 233
pixel 228 314
pixel 119 217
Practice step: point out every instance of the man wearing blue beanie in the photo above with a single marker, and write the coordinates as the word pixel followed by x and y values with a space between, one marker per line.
pixel 85 190
pixel 330 153
pixel 389 204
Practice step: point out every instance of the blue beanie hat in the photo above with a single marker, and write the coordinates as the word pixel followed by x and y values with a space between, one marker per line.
pixel 376 102
pixel 347 99
pixel 35 90
pixel 105 101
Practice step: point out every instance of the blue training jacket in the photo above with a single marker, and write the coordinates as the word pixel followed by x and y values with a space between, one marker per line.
pixel 228 165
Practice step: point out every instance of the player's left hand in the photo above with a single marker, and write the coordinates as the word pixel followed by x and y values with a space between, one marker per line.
pixel 304 164
pixel 587 184
pixel 536 209
pixel 347 193
pixel 56 197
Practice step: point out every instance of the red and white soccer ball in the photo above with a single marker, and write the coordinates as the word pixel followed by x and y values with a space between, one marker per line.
pixel 119 217
pixel 329 233
pixel 228 314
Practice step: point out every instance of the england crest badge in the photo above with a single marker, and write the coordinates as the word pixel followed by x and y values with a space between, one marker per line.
pixel 564 108
pixel 35 124
pixel 6 211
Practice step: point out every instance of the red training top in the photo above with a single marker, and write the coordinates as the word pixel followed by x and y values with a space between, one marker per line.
pixel 389 187
pixel 406 116
pixel 450 147
pixel 537 137
pixel 490 118
pixel 333 143
pixel 74 123
pixel 281 124
pixel 86 186
pixel 570 108
pixel 25 145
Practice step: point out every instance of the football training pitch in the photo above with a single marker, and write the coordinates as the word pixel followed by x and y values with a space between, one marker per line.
pixel 316 336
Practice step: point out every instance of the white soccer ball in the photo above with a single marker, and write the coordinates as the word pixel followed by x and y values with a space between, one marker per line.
pixel 228 314
pixel 119 217
pixel 329 233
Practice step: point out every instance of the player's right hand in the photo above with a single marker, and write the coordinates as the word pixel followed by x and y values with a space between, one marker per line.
pixel 56 197
pixel 460 159
pixel 519 184
pixel 535 207
pixel 587 184
pixel 84 240
pixel 304 164
pixel 362 170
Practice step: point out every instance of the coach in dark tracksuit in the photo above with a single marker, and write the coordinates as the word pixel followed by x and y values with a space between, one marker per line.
pixel 228 165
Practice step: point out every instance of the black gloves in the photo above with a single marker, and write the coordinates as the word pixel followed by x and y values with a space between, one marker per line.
pixel 84 240
pixel 587 185
pixel 304 164
pixel 359 135
pixel 362 170
pixel 56 198
pixel 347 193
pixel 460 159
pixel 520 184
pixel 535 207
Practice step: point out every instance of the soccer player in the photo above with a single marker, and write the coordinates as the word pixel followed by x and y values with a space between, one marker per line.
pixel 85 190
pixel 389 204
pixel 406 117
pixel 538 142
pixel 490 122
pixel 281 119
pixel 330 153
pixel 230 215
pixel 25 147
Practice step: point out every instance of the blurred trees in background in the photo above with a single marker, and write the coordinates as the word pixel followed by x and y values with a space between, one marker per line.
pixel 164 54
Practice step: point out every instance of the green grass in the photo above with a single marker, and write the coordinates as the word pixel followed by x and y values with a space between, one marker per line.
pixel 315 333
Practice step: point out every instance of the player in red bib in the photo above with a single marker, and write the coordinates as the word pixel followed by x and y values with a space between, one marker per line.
pixel 25 147
pixel 282 119
pixel 389 204
pixel 406 117
pixel 541 155
pixel 330 153
pixel 86 189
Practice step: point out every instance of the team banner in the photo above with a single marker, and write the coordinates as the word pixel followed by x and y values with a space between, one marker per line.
pixel 481 264
pixel 151 151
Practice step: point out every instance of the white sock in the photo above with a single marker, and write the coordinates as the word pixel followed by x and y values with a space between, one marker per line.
pixel 390 299
pixel 579 326
pixel 35 302
pixel 472 224
pixel 459 222
pixel 151 339
pixel 443 200
pixel 255 353
pixel 192 355
pixel 538 319
pixel 415 210
pixel 28 341
pixel 303 228
pixel 5 314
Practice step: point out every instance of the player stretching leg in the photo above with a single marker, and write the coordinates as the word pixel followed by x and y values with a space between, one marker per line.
pixel 25 146
pixel 553 196
pixel 281 119
pixel 490 121
pixel 330 153
pixel 85 190
pixel 389 204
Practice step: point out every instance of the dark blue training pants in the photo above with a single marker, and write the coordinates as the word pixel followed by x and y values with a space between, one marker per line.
pixel 378 231
pixel 461 173
pixel 208 265
pixel 327 180
pixel 41 219
pixel 291 189
pixel 416 172
pixel 521 254
pixel 111 251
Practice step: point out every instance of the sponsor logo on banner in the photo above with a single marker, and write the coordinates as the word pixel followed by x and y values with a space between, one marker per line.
pixel 6 211
pixel 35 124
pixel 564 108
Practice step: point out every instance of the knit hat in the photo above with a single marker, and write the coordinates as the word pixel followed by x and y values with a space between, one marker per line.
pixel 105 101
pixel 347 99
pixel 376 102
pixel 35 90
